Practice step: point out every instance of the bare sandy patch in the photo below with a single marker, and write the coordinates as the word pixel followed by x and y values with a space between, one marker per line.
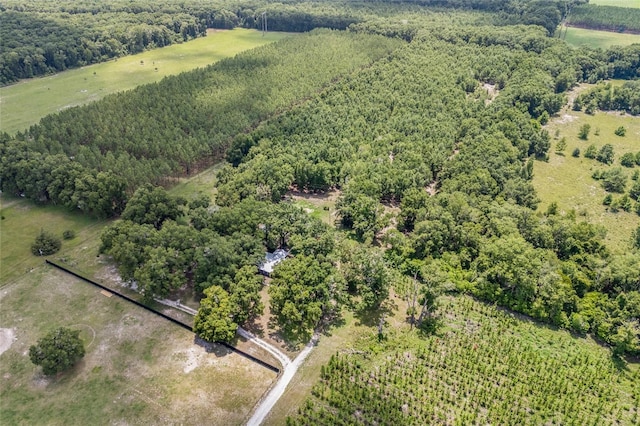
pixel 566 118
pixel 7 337
pixel 492 92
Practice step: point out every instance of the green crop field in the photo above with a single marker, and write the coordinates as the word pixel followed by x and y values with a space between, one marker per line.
pixel 567 180
pixel 483 366
pixel 618 3
pixel 25 103
pixel 603 39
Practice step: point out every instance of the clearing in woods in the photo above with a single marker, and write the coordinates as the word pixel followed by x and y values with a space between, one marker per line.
pixel 592 38
pixel 567 180
pixel 24 104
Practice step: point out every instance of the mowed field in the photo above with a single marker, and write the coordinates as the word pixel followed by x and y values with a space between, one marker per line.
pixel 603 39
pixel 567 180
pixel 25 103
pixel 618 3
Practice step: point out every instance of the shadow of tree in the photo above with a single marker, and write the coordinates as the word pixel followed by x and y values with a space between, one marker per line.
pixel 212 348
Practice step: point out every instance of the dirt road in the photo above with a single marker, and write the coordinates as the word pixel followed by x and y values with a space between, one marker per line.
pixel 265 406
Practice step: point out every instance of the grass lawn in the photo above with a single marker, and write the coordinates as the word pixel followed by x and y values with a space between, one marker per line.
pixel 202 183
pixel 138 368
pixel 618 3
pixel 567 180
pixel 22 221
pixel 603 39
pixel 25 103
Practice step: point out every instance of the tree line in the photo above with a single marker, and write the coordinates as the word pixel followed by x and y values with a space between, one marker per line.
pixel 41 37
pixel 175 127
pixel 605 18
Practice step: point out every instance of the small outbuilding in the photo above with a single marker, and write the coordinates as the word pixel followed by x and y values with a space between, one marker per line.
pixel 271 260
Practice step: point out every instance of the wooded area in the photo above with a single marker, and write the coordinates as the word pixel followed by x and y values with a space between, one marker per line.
pixel 607 18
pixel 39 38
pixel 389 116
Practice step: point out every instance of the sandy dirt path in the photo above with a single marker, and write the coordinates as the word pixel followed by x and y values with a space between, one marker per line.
pixel 264 408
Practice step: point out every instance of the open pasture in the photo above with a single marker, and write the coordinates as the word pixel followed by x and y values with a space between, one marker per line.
pixel 25 103
pixel 137 366
pixel 21 222
pixel 618 3
pixel 567 180
pixel 579 37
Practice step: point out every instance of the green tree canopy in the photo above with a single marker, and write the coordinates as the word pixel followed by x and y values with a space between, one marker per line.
pixel 214 320
pixel 57 351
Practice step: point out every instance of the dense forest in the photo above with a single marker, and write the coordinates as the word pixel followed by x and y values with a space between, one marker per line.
pixel 438 119
pixel 425 120
pixel 39 37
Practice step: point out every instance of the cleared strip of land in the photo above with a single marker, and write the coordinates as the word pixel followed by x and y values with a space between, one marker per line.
pixel 603 39
pixel 617 3
pixel 25 103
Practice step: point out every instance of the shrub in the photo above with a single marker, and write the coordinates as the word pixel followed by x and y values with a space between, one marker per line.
pixel 69 234
pixel 591 152
pixel 597 174
pixel 576 152
pixel 605 154
pixel 614 180
pixel 57 351
pixel 607 200
pixel 584 131
pixel 45 244
pixel 620 131
pixel 628 160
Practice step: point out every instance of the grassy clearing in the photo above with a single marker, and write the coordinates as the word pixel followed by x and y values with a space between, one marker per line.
pixel 618 3
pixel 203 183
pixel 579 37
pixel 25 103
pixel 23 220
pixel 567 180
pixel 138 367
pixel 320 206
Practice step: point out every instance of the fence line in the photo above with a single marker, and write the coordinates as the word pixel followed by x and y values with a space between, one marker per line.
pixel 167 317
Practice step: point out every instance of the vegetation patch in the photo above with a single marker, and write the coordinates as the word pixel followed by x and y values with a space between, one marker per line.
pixel 484 365
pixel 25 103
pixel 567 180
